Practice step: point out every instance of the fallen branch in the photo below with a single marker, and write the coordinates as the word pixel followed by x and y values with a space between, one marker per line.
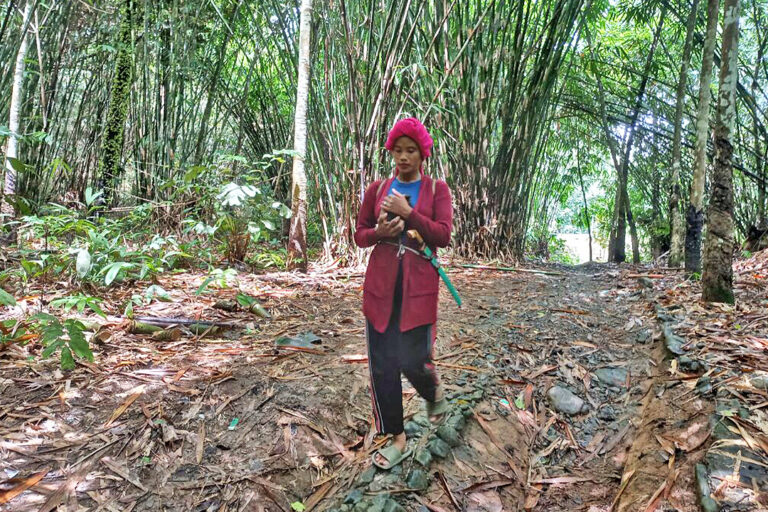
pixel 512 269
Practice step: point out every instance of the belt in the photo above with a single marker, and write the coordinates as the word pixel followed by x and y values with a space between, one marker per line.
pixel 401 248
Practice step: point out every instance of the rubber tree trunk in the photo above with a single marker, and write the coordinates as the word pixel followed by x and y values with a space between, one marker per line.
pixel 717 278
pixel 676 221
pixel 297 238
pixel 694 218
pixel 12 150
pixel 111 168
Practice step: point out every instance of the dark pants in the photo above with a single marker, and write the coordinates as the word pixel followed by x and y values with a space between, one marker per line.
pixel 393 352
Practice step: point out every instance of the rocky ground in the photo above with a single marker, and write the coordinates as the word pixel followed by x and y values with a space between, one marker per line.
pixel 564 399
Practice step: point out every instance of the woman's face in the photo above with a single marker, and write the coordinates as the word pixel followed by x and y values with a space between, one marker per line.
pixel 407 155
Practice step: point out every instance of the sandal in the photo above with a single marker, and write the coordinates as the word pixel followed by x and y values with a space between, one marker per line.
pixel 439 408
pixel 392 455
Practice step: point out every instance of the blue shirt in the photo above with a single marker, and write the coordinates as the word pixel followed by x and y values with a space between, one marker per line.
pixel 407 189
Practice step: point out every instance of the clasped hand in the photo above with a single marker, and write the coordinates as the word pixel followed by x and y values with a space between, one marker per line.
pixel 389 228
pixel 398 205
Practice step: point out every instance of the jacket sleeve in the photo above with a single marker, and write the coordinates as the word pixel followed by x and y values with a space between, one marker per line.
pixel 437 232
pixel 365 233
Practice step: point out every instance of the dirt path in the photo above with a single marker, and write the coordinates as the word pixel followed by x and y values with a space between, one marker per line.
pixel 548 375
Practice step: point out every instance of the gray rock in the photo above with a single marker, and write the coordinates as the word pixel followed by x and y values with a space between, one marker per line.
pixel 566 402
pixel 722 463
pixel 760 382
pixel 616 377
pixel 689 365
pixel 421 419
pixel 378 503
pixel 423 457
pixel 457 421
pixel 367 476
pixel 361 507
pixel 392 506
pixel 644 336
pixel 702 490
pixel 417 479
pixel 387 481
pixel 646 283
pixel 439 448
pixel 606 413
pixel 354 497
pixel 449 435
pixel 672 342
pixel 704 385
pixel 412 429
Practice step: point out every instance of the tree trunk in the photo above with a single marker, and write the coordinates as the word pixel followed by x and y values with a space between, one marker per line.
pixel 297 239
pixel 632 228
pixel 620 214
pixel 717 279
pixel 587 217
pixel 111 168
pixel 7 211
pixel 695 216
pixel 676 221
pixel 760 154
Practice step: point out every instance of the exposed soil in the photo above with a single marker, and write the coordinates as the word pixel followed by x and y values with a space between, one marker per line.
pixel 231 422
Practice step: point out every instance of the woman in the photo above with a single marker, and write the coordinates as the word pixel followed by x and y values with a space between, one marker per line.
pixel 401 287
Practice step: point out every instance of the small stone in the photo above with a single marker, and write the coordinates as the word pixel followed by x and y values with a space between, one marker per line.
pixel 367 476
pixel 354 497
pixel 673 343
pixel 646 283
pixel 643 337
pixel 439 448
pixel 392 506
pixel 566 402
pixel 457 421
pixel 760 382
pixel 615 377
pixel 412 429
pixel 702 489
pixel 421 419
pixel 449 435
pixel 689 365
pixel 423 457
pixel 606 413
pixel 378 503
pixel 417 479
pixel 704 385
pixel 387 481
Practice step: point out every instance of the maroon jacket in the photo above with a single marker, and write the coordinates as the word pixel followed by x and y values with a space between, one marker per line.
pixel 432 218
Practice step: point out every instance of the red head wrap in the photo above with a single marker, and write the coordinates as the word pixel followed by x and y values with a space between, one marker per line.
pixel 413 129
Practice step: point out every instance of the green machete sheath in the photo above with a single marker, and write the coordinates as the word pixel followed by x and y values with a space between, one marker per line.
pixel 433 260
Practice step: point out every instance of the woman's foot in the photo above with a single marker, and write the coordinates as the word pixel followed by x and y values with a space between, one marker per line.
pixel 437 409
pixel 398 441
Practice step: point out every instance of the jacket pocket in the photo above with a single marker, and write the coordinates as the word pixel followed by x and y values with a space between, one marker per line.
pixel 422 278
